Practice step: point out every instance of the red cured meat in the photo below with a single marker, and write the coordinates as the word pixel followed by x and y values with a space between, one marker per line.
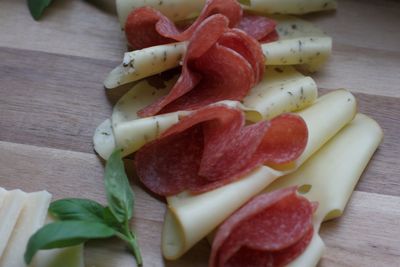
pixel 212 147
pixel 259 27
pixel 213 71
pixel 249 48
pixel 146 26
pixel 148 19
pixel 270 230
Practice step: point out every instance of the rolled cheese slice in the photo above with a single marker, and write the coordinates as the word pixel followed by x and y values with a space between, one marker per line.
pixel 283 89
pixel 190 218
pixel 289 6
pixel 300 43
pixel 330 176
pixel 145 62
pixel 178 10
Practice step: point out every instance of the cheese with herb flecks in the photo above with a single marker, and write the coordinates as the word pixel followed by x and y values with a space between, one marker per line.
pixel 300 43
pixel 283 89
pixel 178 10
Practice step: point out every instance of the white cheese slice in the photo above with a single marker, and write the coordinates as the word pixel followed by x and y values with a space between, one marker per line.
pixel 301 43
pixel 30 219
pixel 289 6
pixel 178 10
pixel 330 175
pixel 10 208
pixel 143 63
pixel 283 89
pixel 191 217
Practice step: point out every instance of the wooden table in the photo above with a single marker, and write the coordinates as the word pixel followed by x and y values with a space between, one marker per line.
pixel 52 99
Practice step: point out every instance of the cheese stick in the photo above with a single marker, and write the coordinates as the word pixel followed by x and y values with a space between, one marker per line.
pixel 289 6
pixel 330 176
pixel 283 89
pixel 300 43
pixel 178 10
pixel 191 217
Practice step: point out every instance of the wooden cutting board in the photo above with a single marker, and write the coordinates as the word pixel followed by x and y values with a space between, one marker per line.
pixel 52 99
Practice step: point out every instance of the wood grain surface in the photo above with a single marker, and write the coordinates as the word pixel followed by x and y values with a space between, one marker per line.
pixel 52 99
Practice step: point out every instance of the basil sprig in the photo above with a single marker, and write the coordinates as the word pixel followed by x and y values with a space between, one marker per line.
pixel 36 7
pixel 82 219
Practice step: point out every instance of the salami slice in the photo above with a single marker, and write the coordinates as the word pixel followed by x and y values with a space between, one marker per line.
pixel 212 147
pixel 213 71
pixel 270 230
pixel 146 26
pixel 259 27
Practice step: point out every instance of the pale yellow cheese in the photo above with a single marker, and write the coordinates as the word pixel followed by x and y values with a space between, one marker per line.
pixel 178 10
pixel 10 207
pixel 330 175
pixel 289 6
pixel 191 217
pixel 283 89
pixel 30 219
pixel 300 43
pixel 303 44
pixel 143 63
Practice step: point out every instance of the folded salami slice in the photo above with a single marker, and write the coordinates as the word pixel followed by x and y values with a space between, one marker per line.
pixel 212 147
pixel 220 64
pixel 147 27
pixel 270 230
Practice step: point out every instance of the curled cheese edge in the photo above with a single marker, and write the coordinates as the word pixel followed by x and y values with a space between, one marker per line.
pixel 330 176
pixel 283 89
pixel 300 43
pixel 190 218
pixel 178 10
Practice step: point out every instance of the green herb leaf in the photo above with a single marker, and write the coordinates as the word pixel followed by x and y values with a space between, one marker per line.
pixel 36 7
pixel 64 234
pixel 77 209
pixel 110 220
pixel 119 192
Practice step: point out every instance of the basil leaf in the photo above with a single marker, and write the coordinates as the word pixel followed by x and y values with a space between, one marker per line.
pixel 36 7
pixel 110 219
pixel 118 189
pixel 63 234
pixel 77 209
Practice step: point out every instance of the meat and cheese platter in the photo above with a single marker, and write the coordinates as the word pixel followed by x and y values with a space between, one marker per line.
pixel 213 145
